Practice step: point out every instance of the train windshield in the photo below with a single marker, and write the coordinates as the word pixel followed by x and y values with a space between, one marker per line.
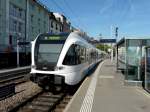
pixel 47 51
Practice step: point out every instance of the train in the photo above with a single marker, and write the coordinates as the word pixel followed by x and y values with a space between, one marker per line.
pixel 62 59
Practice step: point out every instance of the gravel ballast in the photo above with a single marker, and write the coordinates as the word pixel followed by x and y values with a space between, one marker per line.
pixel 23 91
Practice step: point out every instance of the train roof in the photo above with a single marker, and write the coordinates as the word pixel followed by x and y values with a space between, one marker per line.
pixel 61 33
pixel 72 36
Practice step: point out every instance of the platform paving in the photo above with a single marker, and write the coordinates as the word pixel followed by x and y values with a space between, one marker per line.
pixel 104 91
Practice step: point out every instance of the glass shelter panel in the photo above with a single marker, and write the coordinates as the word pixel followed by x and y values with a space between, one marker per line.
pixel 133 58
pixel 121 57
pixel 147 70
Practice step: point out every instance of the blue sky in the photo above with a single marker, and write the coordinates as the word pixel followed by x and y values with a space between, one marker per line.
pixel 98 16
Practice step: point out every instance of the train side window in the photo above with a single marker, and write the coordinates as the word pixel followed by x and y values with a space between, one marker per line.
pixel 82 55
pixel 77 55
pixel 70 58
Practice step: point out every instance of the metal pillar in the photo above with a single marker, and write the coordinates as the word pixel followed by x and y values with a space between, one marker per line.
pixel 18 53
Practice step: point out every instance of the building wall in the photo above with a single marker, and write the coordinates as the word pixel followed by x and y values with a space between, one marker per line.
pixel 24 20
pixel 66 27
pixel 21 19
pixel 65 23
pixel 38 20
pixel 55 25
pixel 12 23
pixel 17 22
pixel 3 33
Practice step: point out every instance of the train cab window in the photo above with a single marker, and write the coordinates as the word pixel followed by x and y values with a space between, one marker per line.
pixel 75 55
pixel 70 58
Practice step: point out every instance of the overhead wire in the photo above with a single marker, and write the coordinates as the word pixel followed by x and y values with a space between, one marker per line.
pixel 55 3
pixel 73 13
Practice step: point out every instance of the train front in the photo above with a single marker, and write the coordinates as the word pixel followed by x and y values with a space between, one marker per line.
pixel 46 49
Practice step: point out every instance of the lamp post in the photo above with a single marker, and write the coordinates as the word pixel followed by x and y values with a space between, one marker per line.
pixel 18 53
pixel 18 38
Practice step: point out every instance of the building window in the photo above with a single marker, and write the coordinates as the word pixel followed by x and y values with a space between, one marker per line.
pixel 60 28
pixel 32 18
pixel 20 25
pixel 14 40
pixel 39 9
pixel 16 12
pixel 32 6
pixel 10 39
pixel 56 26
pixel 39 21
pixel 15 25
pixel 20 13
pixel 0 22
pixel 11 25
pixel 10 9
pixel 44 24
pixel 52 24
pixel 32 29
pixel 0 4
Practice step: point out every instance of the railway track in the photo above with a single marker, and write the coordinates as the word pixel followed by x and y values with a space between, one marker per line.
pixel 45 101
pixel 9 79
pixel 62 105
pixel 41 102
pixel 16 76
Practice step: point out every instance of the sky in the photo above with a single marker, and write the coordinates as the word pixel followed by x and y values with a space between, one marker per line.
pixel 132 17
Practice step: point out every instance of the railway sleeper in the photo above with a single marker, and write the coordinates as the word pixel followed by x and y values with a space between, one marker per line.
pixel 45 100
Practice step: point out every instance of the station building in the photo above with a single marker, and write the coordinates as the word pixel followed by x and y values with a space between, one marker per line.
pixel 23 20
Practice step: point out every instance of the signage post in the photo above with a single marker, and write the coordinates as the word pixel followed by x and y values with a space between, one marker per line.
pixel 17 52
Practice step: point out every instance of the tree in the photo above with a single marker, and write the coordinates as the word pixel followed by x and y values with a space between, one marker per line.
pixel 103 47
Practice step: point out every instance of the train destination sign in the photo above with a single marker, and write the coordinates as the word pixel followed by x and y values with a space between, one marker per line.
pixel 53 38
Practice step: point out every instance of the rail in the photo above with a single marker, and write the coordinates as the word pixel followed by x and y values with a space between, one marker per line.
pixel 42 101
pixel 13 74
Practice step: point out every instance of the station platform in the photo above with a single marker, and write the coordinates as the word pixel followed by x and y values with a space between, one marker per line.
pixel 104 91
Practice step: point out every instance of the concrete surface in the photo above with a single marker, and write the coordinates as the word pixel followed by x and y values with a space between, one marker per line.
pixel 110 93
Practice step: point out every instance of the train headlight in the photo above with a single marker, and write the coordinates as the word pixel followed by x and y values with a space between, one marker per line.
pixel 59 67
pixel 33 67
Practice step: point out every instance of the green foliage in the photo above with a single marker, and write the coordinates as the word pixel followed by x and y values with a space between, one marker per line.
pixel 103 47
